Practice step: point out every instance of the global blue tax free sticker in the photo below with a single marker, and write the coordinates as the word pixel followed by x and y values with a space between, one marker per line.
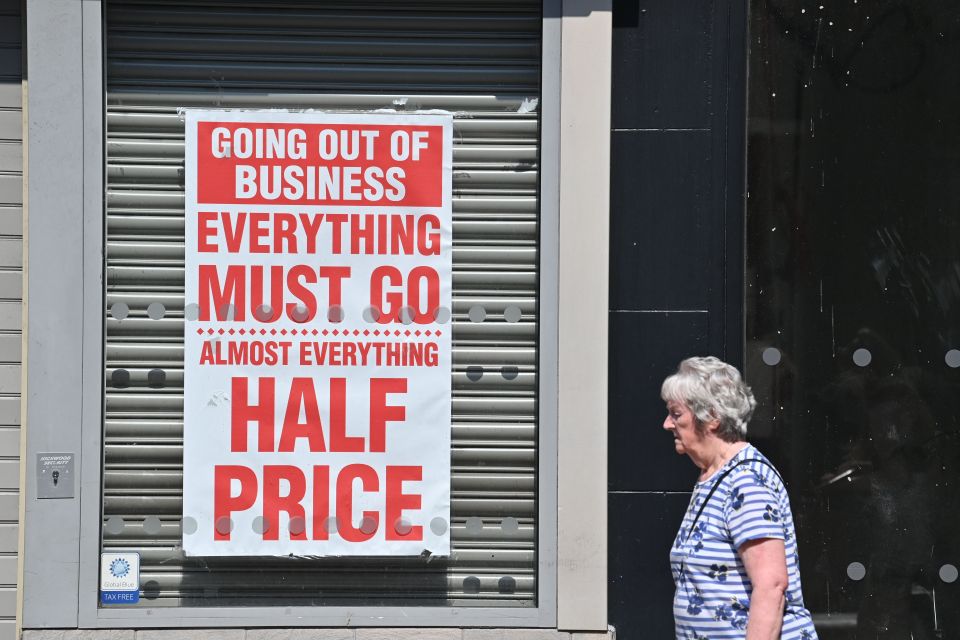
pixel 119 578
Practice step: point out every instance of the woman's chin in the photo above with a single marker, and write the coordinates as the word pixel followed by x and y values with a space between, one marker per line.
pixel 679 448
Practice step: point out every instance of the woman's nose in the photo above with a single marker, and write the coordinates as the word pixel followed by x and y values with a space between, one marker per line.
pixel 667 423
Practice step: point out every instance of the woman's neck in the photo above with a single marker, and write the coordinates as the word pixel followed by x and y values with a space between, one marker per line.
pixel 719 455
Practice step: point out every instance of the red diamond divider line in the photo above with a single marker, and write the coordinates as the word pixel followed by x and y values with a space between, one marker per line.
pixel 199 332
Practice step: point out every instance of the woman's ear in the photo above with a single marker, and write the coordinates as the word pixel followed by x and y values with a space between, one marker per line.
pixel 712 425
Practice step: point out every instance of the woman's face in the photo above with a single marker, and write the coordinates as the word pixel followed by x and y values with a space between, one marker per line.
pixel 683 425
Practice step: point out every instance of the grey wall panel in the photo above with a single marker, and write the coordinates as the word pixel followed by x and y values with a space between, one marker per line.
pixel 8 599
pixel 11 153
pixel 54 50
pixel 10 349
pixel 11 125
pixel 11 289
pixel 11 188
pixel 11 222
pixel 10 94
pixel 9 441
pixel 9 416
pixel 8 602
pixel 11 285
pixel 8 569
pixel 8 542
pixel 10 318
pixel 11 255
pixel 9 476
pixel 9 379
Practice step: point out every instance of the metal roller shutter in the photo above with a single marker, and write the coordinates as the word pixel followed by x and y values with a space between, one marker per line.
pixel 479 59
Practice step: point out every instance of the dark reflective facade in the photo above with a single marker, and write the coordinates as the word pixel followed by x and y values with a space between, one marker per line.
pixel 852 307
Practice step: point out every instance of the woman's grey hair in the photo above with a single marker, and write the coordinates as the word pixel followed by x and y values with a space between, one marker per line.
pixel 712 389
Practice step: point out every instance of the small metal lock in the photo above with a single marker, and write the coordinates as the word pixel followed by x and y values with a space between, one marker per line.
pixel 55 475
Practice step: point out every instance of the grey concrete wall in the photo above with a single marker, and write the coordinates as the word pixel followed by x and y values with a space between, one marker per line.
pixel 11 293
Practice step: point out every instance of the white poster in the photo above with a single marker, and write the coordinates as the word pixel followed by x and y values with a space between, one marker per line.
pixel 317 352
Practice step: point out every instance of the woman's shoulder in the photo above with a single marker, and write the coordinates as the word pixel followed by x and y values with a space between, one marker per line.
pixel 754 467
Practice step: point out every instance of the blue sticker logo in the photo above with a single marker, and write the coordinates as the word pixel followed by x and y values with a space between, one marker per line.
pixel 119 568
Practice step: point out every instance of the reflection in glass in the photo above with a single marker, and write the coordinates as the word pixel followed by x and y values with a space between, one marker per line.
pixel 853 275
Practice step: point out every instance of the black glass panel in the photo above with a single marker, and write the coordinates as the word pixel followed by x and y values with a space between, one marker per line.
pixel 853 301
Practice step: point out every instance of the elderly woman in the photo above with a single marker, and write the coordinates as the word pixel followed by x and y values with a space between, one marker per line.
pixel 734 560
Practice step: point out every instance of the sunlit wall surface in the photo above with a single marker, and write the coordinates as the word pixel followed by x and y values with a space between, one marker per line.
pixel 853 301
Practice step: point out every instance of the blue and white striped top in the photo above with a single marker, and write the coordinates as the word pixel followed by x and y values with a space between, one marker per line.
pixel 712 600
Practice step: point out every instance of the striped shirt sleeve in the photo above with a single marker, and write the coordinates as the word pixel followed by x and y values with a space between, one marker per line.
pixel 752 511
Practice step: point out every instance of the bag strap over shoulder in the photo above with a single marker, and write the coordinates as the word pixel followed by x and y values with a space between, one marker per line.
pixel 716 484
